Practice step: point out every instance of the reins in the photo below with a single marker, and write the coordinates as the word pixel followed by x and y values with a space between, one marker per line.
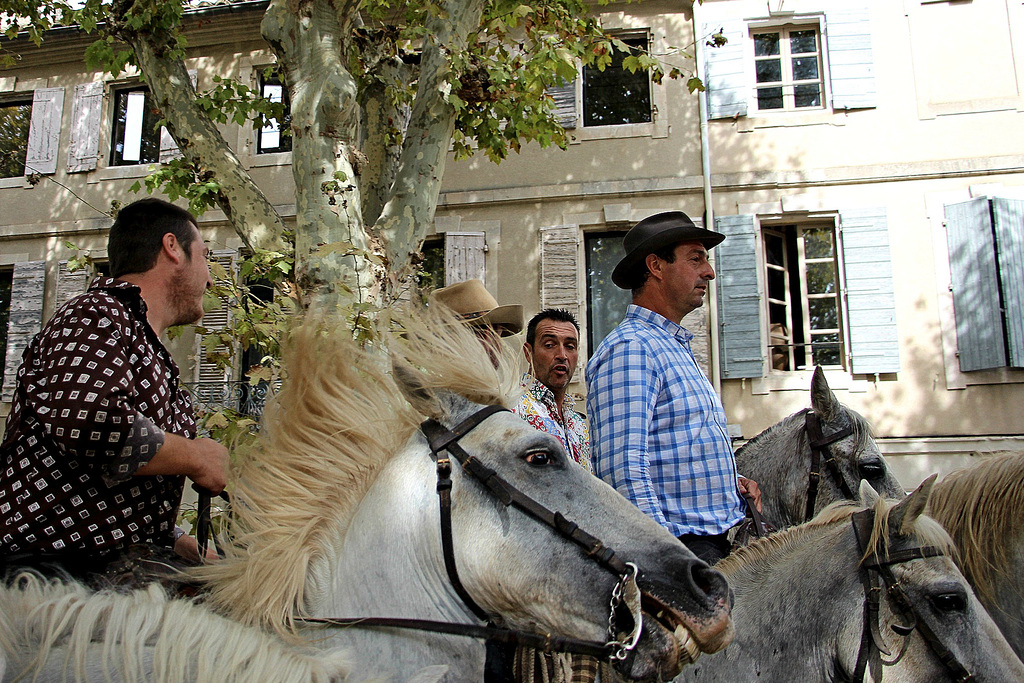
pixel 819 444
pixel 879 567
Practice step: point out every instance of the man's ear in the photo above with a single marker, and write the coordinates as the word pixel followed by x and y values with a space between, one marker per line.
pixel 653 265
pixel 528 352
pixel 172 248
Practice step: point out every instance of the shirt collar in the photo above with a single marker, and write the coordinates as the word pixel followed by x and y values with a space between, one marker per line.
pixel 648 316
pixel 543 394
pixel 121 289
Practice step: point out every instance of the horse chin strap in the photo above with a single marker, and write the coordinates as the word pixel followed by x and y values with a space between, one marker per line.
pixel 819 443
pixel 877 567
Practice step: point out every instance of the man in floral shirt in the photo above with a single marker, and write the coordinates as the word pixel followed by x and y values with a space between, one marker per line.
pixel 552 350
pixel 101 435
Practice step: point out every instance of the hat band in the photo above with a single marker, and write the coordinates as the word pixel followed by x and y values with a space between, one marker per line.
pixel 471 316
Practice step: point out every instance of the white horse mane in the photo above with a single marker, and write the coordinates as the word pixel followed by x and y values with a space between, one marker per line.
pixel 337 419
pixel 761 553
pixel 188 642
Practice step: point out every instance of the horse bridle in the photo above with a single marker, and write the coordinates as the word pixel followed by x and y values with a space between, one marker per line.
pixel 820 454
pixel 442 440
pixel 878 568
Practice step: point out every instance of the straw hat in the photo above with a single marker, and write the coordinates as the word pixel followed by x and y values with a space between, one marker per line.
pixel 472 303
pixel 653 233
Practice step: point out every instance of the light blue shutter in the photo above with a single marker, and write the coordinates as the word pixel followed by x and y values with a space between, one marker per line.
pixel 565 103
pixel 44 131
pixel 972 269
pixel 739 301
pixel 870 299
pixel 86 117
pixel 1009 229
pixel 725 75
pixel 851 58
pixel 27 285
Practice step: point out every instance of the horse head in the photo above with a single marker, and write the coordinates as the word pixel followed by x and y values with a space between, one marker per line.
pixel 814 458
pixel 528 574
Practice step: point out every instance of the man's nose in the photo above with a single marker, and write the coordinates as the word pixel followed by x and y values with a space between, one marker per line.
pixel 709 272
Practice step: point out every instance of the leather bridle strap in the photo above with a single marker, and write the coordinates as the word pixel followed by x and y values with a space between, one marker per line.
pixel 819 444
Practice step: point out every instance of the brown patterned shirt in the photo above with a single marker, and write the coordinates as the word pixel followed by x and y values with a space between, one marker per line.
pixel 96 391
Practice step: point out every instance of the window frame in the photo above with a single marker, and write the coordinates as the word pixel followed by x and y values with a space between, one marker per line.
pixel 788 86
pixel 20 98
pixel 125 89
pixel 261 84
pixel 624 36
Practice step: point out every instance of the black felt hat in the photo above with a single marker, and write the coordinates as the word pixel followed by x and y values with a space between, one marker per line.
pixel 653 233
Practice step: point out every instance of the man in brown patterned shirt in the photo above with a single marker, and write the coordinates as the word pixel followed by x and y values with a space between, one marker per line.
pixel 101 435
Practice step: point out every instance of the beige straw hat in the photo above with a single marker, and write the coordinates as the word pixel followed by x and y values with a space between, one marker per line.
pixel 472 303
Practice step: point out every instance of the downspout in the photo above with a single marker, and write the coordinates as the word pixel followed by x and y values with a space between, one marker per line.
pixel 709 211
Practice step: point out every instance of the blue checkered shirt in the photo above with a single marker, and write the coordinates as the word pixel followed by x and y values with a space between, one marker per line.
pixel 658 429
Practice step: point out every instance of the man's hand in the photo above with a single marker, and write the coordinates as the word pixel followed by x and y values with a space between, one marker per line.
pixel 204 461
pixel 750 487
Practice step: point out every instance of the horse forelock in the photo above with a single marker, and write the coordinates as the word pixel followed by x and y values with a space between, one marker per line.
pixel 337 420
pixel 980 508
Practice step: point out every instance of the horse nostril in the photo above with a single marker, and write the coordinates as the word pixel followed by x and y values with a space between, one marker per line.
pixel 708 581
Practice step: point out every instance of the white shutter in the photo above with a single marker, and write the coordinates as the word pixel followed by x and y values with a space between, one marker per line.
pixel 464 256
pixel 740 320
pixel 27 286
pixel 207 371
pixel 168 147
pixel 851 59
pixel 565 103
pixel 86 115
pixel 725 74
pixel 1009 232
pixel 559 268
pixel 70 284
pixel 44 131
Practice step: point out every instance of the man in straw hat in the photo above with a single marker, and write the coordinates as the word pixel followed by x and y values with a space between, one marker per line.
pixel 474 305
pixel 658 428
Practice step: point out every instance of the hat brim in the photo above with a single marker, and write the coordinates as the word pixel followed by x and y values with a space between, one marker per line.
pixel 628 274
pixel 509 317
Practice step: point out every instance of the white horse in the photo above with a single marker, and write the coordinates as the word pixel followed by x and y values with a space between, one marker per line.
pixel 781 460
pixel 801 603
pixel 335 517
pixel 981 509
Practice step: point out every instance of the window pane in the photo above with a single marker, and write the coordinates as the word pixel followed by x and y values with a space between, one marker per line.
pixel 766 44
pixel 775 250
pixel 826 349
pixel 615 96
pixel 805 68
pixel 769 71
pixel 606 303
pixel 807 96
pixel 823 313
pixel 803 41
pixel 14 122
pixel 776 285
pixel 769 98
pixel 131 148
pixel 821 278
pixel 818 243
pixel 275 136
pixel 430 274
pixel 136 136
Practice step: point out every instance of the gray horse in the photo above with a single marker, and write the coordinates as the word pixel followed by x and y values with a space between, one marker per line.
pixel 801 594
pixel 781 459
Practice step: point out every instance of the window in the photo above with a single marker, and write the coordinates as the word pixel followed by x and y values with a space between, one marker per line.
pixel 804 311
pixel 6 280
pixel 787 67
pixel 274 136
pixel 136 137
pixel 986 258
pixel 606 303
pixel 15 117
pixel 615 96
pixel 431 269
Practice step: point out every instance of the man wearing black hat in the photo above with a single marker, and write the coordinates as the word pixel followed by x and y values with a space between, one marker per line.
pixel 657 426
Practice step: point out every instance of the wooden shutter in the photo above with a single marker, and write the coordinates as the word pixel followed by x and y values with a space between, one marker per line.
pixel 44 131
pixel 1008 217
pixel 851 57
pixel 207 371
pixel 973 272
pixel 740 320
pixel 168 147
pixel 70 284
pixel 86 115
pixel 725 74
pixel 565 104
pixel 27 286
pixel 559 268
pixel 463 256
pixel 870 298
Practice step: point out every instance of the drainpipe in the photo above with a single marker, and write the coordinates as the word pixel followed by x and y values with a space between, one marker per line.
pixel 709 211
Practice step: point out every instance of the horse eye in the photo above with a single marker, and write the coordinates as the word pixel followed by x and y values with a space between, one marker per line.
pixel 948 602
pixel 871 470
pixel 537 458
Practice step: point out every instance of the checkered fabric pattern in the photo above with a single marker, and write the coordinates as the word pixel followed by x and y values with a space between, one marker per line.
pixel 659 429
pixel 96 391
pixel 537 406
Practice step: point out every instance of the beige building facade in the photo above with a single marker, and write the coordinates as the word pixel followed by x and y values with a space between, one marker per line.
pixel 865 158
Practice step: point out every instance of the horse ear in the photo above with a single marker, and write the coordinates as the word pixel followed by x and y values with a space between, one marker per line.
pixel 868 495
pixel 411 383
pixel 905 513
pixel 824 402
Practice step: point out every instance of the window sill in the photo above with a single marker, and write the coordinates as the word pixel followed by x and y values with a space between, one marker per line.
pixel 656 129
pixel 790 119
pixel 16 181
pixel 270 159
pixel 800 380
pixel 122 172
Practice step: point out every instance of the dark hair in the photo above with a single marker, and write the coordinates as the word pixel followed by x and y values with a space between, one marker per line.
pixel 666 253
pixel 137 234
pixel 559 315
